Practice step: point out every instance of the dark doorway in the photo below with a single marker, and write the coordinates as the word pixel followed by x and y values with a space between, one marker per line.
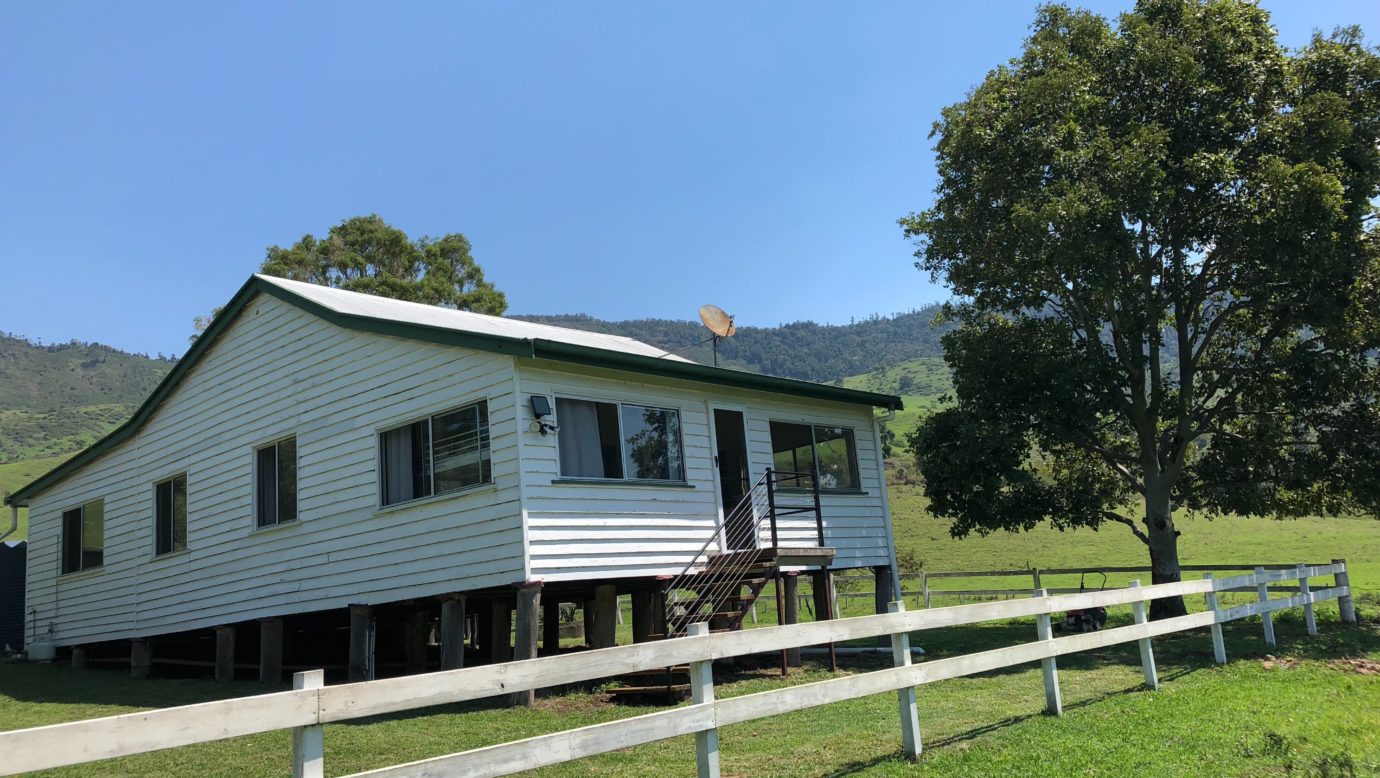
pixel 730 453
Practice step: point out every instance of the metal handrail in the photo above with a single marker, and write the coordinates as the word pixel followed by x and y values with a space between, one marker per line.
pixel 744 521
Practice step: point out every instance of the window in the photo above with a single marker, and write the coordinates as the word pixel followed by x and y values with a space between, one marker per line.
pixel 800 448
pixel 275 497
pixel 170 515
pixel 83 537
pixel 440 454
pixel 608 440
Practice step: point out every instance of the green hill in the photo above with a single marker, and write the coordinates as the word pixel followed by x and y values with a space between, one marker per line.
pixel 16 474
pixel 58 399
pixel 804 349
pixel 922 383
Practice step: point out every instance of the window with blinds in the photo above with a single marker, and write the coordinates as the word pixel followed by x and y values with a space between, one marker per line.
pixel 440 454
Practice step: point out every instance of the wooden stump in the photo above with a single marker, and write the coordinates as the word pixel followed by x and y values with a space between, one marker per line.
pixel 453 632
pixel 500 631
pixel 792 596
pixel 644 621
pixel 525 639
pixel 551 626
pixel 270 650
pixel 361 621
pixel 225 652
pixel 140 658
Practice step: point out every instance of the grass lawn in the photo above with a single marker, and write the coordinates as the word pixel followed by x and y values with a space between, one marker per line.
pixel 1251 717
pixel 13 475
pixel 1313 715
pixel 1228 540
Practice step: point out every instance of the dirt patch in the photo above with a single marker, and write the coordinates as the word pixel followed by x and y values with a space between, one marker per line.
pixel 1279 663
pixel 1358 666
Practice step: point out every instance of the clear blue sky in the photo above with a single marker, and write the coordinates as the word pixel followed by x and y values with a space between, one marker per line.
pixel 622 160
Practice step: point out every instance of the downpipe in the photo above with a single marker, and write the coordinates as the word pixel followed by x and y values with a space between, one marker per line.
pixel 14 522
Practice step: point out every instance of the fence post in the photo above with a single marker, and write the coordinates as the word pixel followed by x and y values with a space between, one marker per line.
pixel 925 588
pixel 1219 648
pixel 1308 619
pixel 1262 589
pixel 1147 653
pixel 702 691
pixel 1035 578
pixel 1345 604
pixel 308 743
pixel 1054 703
pixel 905 697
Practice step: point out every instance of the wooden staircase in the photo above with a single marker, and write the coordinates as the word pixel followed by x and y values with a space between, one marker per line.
pixel 721 584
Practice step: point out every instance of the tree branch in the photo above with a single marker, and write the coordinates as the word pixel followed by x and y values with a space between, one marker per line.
pixel 1117 517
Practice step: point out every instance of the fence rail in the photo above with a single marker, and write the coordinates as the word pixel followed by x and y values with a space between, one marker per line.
pixel 925 593
pixel 311 705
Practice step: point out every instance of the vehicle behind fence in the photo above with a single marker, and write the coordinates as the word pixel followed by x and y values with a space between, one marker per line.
pixel 311 704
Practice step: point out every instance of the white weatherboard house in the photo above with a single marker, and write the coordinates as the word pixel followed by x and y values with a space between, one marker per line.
pixel 334 478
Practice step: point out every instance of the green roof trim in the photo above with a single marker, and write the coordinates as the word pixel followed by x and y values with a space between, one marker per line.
pixel 517 347
pixel 694 371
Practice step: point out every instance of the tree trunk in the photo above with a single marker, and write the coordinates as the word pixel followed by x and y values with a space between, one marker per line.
pixel 1164 549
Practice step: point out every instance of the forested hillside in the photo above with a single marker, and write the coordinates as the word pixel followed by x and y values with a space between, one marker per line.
pixel 57 399
pixel 806 350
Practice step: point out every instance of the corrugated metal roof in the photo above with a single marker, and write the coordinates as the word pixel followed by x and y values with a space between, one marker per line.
pixel 453 328
pixel 387 309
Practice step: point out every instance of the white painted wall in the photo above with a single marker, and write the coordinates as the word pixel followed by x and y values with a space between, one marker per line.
pixel 578 531
pixel 280 371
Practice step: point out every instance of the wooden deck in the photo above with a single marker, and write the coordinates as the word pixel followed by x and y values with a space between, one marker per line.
pixel 780 556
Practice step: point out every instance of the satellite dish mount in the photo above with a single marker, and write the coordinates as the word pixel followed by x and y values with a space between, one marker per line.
pixel 719 323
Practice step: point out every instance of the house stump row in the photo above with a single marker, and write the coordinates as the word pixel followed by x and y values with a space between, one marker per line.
pixel 517 622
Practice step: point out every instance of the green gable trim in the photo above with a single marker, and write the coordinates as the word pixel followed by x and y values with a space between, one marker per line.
pixel 516 347
pixel 693 371
pixel 200 346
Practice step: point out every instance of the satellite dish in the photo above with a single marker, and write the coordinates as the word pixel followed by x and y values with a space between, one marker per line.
pixel 717 321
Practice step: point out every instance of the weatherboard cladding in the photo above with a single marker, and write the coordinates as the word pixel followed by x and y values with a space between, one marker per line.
pixel 583 530
pixel 441 326
pixel 282 371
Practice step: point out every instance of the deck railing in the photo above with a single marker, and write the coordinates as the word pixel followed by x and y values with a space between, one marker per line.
pixel 753 523
pixel 311 705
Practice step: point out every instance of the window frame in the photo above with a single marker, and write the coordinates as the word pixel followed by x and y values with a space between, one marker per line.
pixel 257 524
pixel 684 480
pixel 81 532
pixel 379 432
pixel 854 467
pixel 186 517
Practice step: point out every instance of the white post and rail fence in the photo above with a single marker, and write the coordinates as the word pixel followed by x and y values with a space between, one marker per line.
pixel 310 705
pixel 920 587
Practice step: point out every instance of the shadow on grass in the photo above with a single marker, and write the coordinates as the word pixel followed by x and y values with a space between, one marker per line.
pixel 1175 654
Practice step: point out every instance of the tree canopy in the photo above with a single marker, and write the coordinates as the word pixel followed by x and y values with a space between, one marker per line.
pixel 366 254
pixel 1162 237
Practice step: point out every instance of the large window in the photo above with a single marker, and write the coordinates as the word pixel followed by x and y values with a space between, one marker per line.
pixel 800 448
pixel 609 440
pixel 275 497
pixel 443 453
pixel 83 537
pixel 170 515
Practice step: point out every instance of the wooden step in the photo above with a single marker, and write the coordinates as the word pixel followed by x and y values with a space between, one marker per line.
pixel 676 691
pixel 658 671
pixel 784 556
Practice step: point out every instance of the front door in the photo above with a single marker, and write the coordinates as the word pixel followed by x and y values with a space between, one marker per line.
pixel 731 456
